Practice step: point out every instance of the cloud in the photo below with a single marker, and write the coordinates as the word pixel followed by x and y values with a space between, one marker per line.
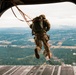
pixel 5 42
pixel 31 40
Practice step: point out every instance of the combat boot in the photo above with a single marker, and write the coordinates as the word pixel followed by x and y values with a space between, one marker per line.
pixel 48 55
pixel 37 54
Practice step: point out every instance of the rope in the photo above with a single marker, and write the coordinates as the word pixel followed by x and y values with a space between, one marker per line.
pixel 22 13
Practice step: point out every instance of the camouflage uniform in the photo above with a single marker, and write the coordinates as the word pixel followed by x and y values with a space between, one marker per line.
pixel 42 37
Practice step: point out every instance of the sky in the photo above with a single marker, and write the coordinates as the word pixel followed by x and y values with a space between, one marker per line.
pixel 58 14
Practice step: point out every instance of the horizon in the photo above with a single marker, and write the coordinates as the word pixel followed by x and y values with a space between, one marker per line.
pixel 59 27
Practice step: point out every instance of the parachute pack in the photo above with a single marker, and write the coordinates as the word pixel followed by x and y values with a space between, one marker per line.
pixel 37 25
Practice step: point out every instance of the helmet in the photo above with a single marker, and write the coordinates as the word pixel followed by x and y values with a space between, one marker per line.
pixel 43 16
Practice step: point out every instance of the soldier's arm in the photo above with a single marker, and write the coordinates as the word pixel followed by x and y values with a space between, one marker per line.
pixel 31 26
pixel 47 25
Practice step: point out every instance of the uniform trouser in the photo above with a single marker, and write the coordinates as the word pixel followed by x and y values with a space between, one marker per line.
pixel 42 39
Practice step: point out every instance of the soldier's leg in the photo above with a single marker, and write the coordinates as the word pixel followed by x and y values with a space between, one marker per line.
pixel 38 47
pixel 46 46
pixel 47 50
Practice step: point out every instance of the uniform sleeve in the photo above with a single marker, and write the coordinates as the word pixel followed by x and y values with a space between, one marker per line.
pixel 48 26
pixel 31 26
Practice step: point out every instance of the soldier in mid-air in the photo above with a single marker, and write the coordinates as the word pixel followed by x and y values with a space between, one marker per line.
pixel 40 26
